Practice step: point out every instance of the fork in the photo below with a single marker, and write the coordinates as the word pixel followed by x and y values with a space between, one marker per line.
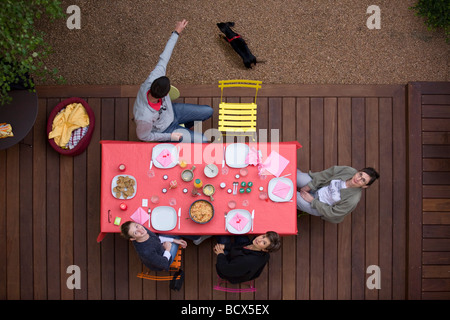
pixel 225 221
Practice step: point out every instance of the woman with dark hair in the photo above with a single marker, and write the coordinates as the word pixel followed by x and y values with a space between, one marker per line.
pixel 334 192
pixel 244 260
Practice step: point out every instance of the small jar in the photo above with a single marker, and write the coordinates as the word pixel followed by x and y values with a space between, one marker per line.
pixel 198 183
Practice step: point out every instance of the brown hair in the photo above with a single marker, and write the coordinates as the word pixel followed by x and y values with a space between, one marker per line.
pixel 372 174
pixel 275 241
pixel 125 229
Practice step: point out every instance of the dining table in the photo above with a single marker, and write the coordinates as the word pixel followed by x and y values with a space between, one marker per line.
pixel 250 186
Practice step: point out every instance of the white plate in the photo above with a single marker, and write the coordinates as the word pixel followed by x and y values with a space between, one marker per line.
pixel 114 184
pixel 272 184
pixel 163 218
pixel 243 213
pixel 159 148
pixel 235 155
pixel 211 170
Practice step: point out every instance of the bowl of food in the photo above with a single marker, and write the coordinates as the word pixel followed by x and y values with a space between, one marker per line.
pixel 201 211
pixel 188 174
pixel 208 190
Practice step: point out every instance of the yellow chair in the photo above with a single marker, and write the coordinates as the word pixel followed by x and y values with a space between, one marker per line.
pixel 164 275
pixel 238 119
pixel 174 93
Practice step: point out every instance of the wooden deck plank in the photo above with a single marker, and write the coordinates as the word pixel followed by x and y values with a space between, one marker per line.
pixel 414 183
pixel 435 111
pixel 39 180
pixel 344 157
pixel 330 230
pixel 108 244
pixel 358 215
pixel 436 165
pixel 3 229
pixel 13 223
pixel 26 221
pixel 435 137
pixel 53 217
pixel 303 237
pixel 400 195
pixel 80 223
pixel 436 217
pixel 346 125
pixel 275 266
pixel 436 245
pixel 93 206
pixel 289 243
pixel 386 213
pixel 316 225
pixel 372 194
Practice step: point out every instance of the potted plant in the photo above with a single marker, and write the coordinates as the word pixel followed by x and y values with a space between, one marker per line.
pixel 23 49
pixel 436 14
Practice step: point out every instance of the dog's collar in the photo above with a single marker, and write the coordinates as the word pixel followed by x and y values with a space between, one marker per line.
pixel 235 37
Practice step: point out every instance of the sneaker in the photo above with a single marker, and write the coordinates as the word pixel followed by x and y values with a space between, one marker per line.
pixel 200 240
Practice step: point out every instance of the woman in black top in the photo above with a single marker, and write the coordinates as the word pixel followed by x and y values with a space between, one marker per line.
pixel 244 260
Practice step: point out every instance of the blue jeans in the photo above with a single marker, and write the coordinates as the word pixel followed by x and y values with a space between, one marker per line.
pixel 174 247
pixel 302 204
pixel 187 114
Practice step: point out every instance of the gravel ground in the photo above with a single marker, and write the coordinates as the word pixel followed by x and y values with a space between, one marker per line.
pixel 301 42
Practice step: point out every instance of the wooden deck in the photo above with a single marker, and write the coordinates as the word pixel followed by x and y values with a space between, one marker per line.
pixel 49 204
pixel 429 214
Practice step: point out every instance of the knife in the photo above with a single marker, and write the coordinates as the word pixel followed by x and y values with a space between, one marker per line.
pixel 179 218
pixel 225 221
pixel 223 159
pixel 149 210
pixel 253 216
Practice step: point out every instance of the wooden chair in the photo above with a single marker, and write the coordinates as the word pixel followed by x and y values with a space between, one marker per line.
pixel 164 275
pixel 238 119
pixel 222 285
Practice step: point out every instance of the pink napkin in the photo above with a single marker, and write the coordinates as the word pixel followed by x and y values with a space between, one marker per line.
pixel 275 163
pixel 164 158
pixel 238 222
pixel 140 216
pixel 252 157
pixel 281 189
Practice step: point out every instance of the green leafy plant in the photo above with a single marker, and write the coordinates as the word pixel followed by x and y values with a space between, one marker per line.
pixel 436 14
pixel 23 49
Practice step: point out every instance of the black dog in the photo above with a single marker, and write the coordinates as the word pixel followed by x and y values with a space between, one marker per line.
pixel 237 43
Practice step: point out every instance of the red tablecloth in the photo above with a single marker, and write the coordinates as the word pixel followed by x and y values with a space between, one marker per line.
pixel 269 215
